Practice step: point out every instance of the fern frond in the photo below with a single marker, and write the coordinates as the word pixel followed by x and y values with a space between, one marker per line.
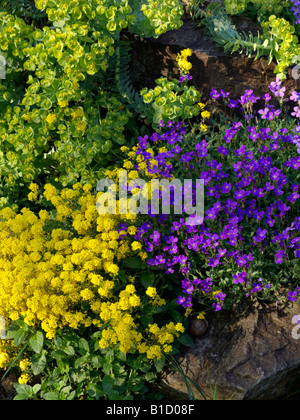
pixel 24 9
pixel 122 75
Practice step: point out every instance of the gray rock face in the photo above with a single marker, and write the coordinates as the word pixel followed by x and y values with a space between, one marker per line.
pixel 246 354
pixel 212 67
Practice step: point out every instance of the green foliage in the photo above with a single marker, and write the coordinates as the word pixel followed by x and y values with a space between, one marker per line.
pixel 259 9
pixel 219 26
pixel 25 9
pixel 154 17
pixel 70 367
pixel 170 101
pixel 67 102
pixel 195 8
pixel 278 41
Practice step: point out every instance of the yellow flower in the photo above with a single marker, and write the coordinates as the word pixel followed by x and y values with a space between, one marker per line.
pixel 133 175
pixel 132 230
pixel 63 104
pixel 51 119
pixel 24 364
pixel 24 378
pixel 205 115
pixel 4 359
pixel 151 292
pixel 183 64
pixel 136 246
pixel 81 126
pixel 34 188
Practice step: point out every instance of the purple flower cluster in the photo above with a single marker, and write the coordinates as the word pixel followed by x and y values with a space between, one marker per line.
pixel 173 135
pixel 296 10
pixel 247 101
pixel 252 202
pixel 188 78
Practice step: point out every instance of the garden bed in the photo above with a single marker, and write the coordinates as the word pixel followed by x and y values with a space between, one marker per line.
pixel 103 266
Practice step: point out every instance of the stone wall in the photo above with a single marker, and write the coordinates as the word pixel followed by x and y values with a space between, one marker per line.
pixel 212 67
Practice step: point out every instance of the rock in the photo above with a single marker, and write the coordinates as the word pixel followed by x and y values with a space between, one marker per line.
pixel 7 390
pixel 248 353
pixel 212 67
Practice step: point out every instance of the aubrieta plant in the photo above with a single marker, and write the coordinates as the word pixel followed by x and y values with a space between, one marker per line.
pixel 249 242
pixel 296 10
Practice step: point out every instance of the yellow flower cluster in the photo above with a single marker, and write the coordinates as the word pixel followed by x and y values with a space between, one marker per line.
pixel 123 328
pixel 184 65
pixel 163 338
pixel 60 269
pixel 7 353
pixel 45 274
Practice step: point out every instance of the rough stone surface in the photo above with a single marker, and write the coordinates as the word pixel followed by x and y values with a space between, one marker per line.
pixel 212 67
pixel 7 391
pixel 246 354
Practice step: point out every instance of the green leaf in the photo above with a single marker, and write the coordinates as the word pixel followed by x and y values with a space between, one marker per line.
pixel 107 146
pixel 95 391
pixel 84 345
pixel 18 332
pixel 38 363
pixel 19 337
pixel 134 263
pixel 148 279
pixel 108 383
pixel 51 396
pixel 186 340
pixel 159 364
pixel 69 350
pixel 36 388
pixel 109 358
pixel 151 377
pixel 36 342
pixel 24 391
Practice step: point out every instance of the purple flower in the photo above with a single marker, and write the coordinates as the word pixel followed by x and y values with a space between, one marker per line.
pixel 215 94
pixel 260 235
pixel 240 278
pixel 223 150
pixel 279 256
pixel 180 300
pixel 296 112
pixel 256 288
pixel 182 259
pixel 221 296
pixel 264 113
pixel 293 197
pixel 267 97
pixel 217 307
pixel 292 296
pixel 295 96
